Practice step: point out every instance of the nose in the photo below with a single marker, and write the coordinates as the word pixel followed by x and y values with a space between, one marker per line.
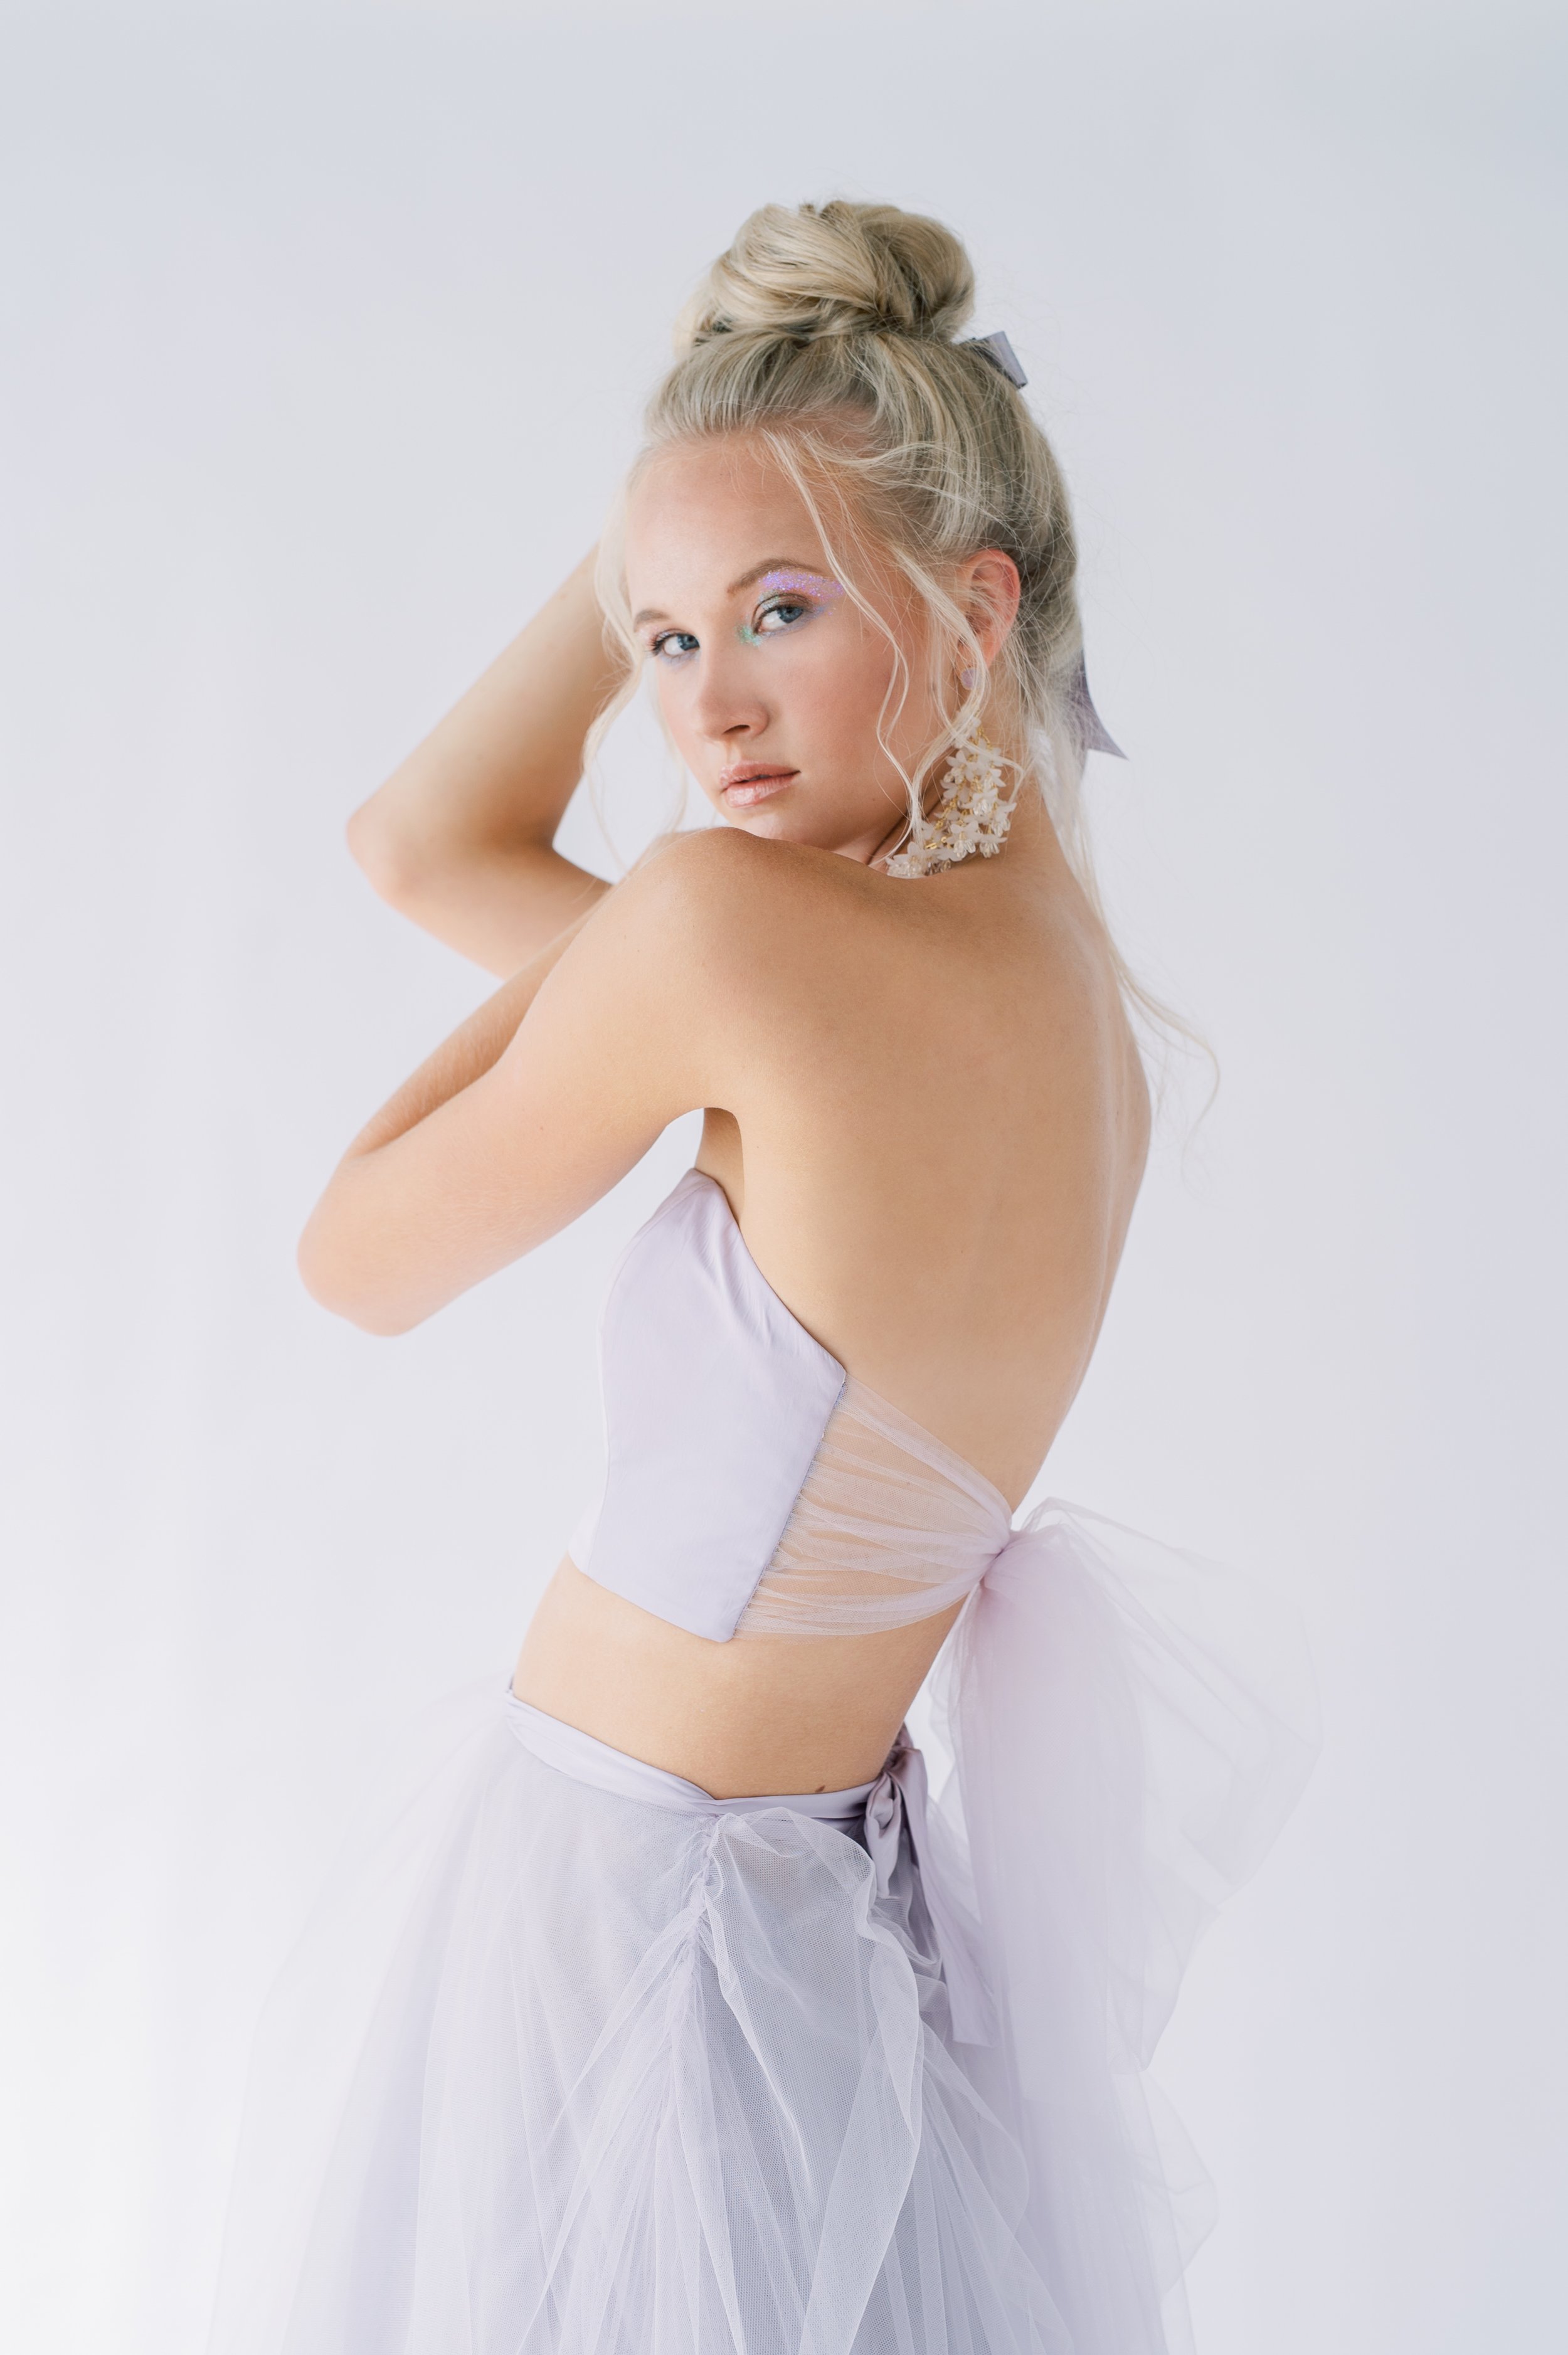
pixel 726 707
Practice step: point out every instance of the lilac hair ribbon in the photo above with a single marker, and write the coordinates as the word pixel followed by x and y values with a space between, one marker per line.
pixel 1001 355
pixel 1092 730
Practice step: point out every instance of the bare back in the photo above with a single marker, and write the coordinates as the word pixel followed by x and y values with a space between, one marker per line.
pixel 934 1128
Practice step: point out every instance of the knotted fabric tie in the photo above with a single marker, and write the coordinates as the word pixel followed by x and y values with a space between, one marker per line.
pixel 900 1795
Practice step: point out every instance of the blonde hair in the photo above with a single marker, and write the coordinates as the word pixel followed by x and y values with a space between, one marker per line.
pixel 826 336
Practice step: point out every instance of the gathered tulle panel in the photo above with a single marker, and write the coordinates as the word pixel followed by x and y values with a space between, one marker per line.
pixel 890 1527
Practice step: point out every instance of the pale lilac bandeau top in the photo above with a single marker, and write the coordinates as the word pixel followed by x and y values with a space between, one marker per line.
pixel 752 1486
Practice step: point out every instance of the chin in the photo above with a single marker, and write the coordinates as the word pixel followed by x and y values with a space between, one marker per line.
pixel 773 819
pixel 791 818
pixel 777 826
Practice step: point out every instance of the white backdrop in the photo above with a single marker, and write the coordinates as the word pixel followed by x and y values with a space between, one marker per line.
pixel 329 327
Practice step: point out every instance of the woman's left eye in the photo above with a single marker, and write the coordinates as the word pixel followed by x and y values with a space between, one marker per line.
pixel 780 615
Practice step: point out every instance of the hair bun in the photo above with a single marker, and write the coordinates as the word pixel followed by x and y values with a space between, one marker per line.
pixel 837 269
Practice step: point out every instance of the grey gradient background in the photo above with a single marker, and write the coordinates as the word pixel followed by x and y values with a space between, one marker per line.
pixel 325 330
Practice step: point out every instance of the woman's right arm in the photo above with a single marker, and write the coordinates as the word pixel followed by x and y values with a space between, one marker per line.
pixel 461 837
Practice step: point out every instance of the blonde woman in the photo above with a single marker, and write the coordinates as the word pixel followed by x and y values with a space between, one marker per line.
pixel 695 2026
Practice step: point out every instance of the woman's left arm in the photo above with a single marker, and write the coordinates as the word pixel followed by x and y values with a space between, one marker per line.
pixel 474 1049
pixel 541 1100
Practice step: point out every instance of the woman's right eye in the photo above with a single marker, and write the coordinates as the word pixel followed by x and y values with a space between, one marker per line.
pixel 673 645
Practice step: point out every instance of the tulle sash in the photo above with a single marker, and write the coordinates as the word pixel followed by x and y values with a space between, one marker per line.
pixel 1130 1727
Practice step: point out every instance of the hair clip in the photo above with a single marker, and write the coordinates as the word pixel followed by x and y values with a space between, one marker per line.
pixel 1000 353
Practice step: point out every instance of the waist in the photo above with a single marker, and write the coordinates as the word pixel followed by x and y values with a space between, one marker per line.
pixel 588 1759
pixel 886 1816
pixel 731 1718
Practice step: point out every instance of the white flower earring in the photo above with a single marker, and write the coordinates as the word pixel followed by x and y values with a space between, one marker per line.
pixel 973 814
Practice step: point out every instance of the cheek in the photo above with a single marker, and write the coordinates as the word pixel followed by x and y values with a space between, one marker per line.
pixel 849 683
pixel 674 707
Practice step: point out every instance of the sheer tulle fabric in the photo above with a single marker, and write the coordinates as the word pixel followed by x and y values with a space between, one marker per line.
pixel 890 1527
pixel 622 2080
pixel 561 2069
pixel 1131 1727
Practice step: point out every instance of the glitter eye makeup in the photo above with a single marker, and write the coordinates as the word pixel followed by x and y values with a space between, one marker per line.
pixel 785 585
pixel 816 584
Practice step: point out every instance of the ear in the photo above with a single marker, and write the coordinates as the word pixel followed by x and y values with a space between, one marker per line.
pixel 987 589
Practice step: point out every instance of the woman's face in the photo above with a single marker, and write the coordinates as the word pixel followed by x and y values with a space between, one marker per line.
pixel 771 679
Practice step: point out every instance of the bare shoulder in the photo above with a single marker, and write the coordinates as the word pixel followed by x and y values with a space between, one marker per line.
pixel 696 962
pixel 718 867
pixel 720 901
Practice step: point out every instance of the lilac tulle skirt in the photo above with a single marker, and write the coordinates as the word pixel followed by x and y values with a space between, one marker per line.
pixel 575 2060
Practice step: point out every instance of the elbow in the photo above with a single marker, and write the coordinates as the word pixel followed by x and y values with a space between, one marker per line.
pixel 337 1284
pixel 381 850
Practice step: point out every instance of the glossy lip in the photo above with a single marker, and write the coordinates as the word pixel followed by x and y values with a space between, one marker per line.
pixel 750 782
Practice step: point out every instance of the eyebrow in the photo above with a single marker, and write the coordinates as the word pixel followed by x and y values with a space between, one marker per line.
pixel 774 564
pixel 768 564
